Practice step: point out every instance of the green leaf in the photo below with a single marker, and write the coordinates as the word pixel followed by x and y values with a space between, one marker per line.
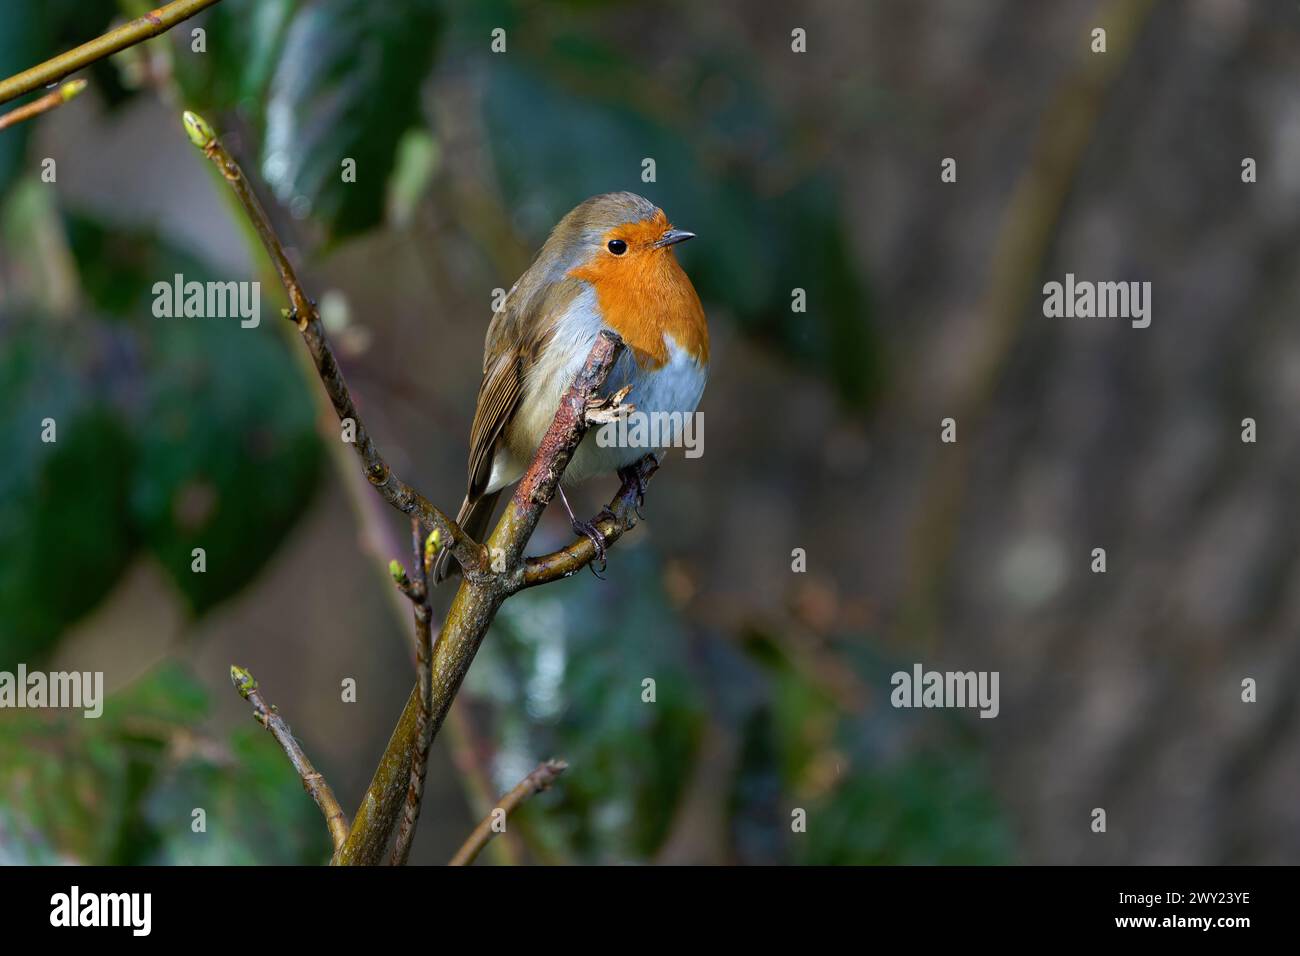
pixel 178 433
pixel 63 518
pixel 70 23
pixel 228 455
pixel 245 39
pixel 33 35
pixel 227 452
pixel 347 86
pixel 564 668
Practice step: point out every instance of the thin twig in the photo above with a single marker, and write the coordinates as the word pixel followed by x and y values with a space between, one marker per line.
pixel 312 781
pixel 43 105
pixel 472 557
pixel 424 551
pixel 537 781
pixel 129 34
pixel 471 754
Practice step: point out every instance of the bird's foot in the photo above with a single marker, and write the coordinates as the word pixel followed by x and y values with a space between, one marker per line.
pixel 592 533
pixel 632 473
pixel 589 531
pixel 607 409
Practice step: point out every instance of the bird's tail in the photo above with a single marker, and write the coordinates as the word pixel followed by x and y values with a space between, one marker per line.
pixel 475 518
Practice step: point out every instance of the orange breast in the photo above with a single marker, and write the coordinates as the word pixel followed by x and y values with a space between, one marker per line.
pixel 646 295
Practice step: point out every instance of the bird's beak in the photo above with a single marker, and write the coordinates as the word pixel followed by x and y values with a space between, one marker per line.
pixel 672 237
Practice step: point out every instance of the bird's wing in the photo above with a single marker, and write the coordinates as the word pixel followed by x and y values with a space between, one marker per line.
pixel 515 338
pixel 497 398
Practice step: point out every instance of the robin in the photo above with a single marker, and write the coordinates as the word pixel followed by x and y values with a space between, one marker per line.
pixel 610 264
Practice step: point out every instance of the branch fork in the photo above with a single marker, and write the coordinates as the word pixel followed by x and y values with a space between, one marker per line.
pixel 390 809
pixel 441 664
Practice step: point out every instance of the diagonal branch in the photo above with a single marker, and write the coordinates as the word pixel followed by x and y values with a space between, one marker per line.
pixel 49 101
pixel 396 492
pixel 474 606
pixel 537 487
pixel 537 781
pixel 129 34
pixel 485 583
pixel 312 781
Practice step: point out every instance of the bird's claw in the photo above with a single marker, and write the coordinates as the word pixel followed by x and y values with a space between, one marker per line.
pixel 589 531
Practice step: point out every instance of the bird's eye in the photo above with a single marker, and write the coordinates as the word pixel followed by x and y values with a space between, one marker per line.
pixel 617 246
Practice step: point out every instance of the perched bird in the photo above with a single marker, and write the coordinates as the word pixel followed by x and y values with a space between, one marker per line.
pixel 610 264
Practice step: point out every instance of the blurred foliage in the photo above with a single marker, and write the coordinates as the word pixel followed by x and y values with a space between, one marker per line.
pixel 319 83
pixel 64 531
pixel 564 668
pixel 122 788
pixel 27 38
pixel 17 41
pixel 244 41
pixel 225 462
pixel 158 445
pixel 183 433
pixel 347 86
pixel 880 785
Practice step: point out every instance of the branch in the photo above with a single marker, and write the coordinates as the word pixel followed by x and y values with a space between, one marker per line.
pixel 619 517
pixel 418 592
pixel 312 781
pixel 483 588
pixel 537 487
pixel 46 103
pixel 537 781
pixel 129 34
pixel 474 606
pixel 472 557
pixel 379 542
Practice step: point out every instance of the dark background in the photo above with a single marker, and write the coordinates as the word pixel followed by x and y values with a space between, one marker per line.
pixel 818 171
